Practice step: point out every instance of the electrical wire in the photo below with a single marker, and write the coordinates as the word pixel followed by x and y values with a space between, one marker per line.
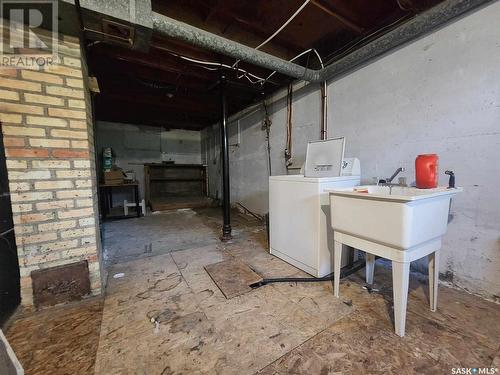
pixel 279 30
pixel 348 48
pixel 256 79
pixel 289 105
pixel 262 81
pixel 284 25
pixel 295 58
pixel 6 232
pixel 403 7
pixel 267 125
pixel 246 74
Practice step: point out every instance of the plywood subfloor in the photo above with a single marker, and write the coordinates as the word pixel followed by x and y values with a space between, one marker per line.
pixel 233 277
pixel 167 316
pixel 60 340
pixel 464 332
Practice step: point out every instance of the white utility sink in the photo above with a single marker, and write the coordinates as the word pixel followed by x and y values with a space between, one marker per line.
pixel 402 224
pixel 399 217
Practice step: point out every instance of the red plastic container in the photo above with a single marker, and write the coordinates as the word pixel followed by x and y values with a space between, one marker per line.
pixel 426 171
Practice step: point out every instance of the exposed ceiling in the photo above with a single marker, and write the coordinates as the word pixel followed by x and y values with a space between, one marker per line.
pixel 163 88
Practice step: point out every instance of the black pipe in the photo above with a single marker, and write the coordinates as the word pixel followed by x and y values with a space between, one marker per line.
pixel 360 264
pixel 226 204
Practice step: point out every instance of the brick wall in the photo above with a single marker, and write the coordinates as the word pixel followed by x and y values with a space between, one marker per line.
pixel 47 128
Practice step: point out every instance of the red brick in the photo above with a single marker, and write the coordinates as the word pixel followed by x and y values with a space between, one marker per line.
pixel 33 218
pixel 27 153
pixel 13 142
pixel 10 72
pixel 63 154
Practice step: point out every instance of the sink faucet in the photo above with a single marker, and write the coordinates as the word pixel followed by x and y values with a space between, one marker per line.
pixel 399 170
pixel 388 181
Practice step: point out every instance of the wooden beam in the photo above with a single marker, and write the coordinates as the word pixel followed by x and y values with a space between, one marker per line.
pixel 212 10
pixel 163 65
pixel 124 111
pixel 337 16
pixel 155 59
pixel 165 123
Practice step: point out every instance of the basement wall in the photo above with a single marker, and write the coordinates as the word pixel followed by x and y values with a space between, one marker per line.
pixel 440 94
pixel 48 135
pixel 135 145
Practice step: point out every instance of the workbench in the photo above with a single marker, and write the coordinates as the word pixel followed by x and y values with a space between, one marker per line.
pixel 106 194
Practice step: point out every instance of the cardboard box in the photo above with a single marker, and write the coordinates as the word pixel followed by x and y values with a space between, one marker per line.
pixel 114 177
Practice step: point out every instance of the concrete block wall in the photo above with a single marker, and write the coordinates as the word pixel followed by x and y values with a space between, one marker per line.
pixel 47 128
pixel 135 145
pixel 439 94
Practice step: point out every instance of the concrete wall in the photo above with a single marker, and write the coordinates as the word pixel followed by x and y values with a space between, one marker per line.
pixel 248 150
pixel 135 145
pixel 439 94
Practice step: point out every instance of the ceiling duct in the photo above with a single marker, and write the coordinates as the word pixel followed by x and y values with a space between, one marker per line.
pixel 127 23
pixel 416 27
pixel 131 22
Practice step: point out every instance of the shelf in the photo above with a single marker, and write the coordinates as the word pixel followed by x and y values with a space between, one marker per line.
pixel 170 179
pixel 162 180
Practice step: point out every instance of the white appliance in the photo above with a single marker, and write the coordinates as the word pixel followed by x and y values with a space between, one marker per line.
pixel 323 158
pixel 299 210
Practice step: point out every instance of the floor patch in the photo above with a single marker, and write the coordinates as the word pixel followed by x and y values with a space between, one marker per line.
pixel 233 277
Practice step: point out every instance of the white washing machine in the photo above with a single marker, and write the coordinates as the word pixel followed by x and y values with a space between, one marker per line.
pixel 299 208
pixel 299 221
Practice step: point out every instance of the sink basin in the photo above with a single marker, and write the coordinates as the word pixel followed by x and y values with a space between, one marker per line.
pixel 395 216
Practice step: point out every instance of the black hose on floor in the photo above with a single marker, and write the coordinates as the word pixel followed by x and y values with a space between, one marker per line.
pixel 356 266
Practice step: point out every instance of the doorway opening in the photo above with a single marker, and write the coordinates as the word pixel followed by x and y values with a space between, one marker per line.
pixel 10 286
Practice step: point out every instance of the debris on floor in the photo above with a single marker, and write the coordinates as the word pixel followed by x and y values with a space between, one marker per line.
pixel 168 313
pixel 370 289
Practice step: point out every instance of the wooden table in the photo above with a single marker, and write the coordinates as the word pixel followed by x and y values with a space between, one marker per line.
pixel 107 197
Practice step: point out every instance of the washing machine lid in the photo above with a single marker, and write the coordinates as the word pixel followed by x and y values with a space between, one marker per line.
pixel 324 158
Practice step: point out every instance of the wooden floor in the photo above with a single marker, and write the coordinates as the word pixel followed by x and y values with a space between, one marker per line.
pixel 167 316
